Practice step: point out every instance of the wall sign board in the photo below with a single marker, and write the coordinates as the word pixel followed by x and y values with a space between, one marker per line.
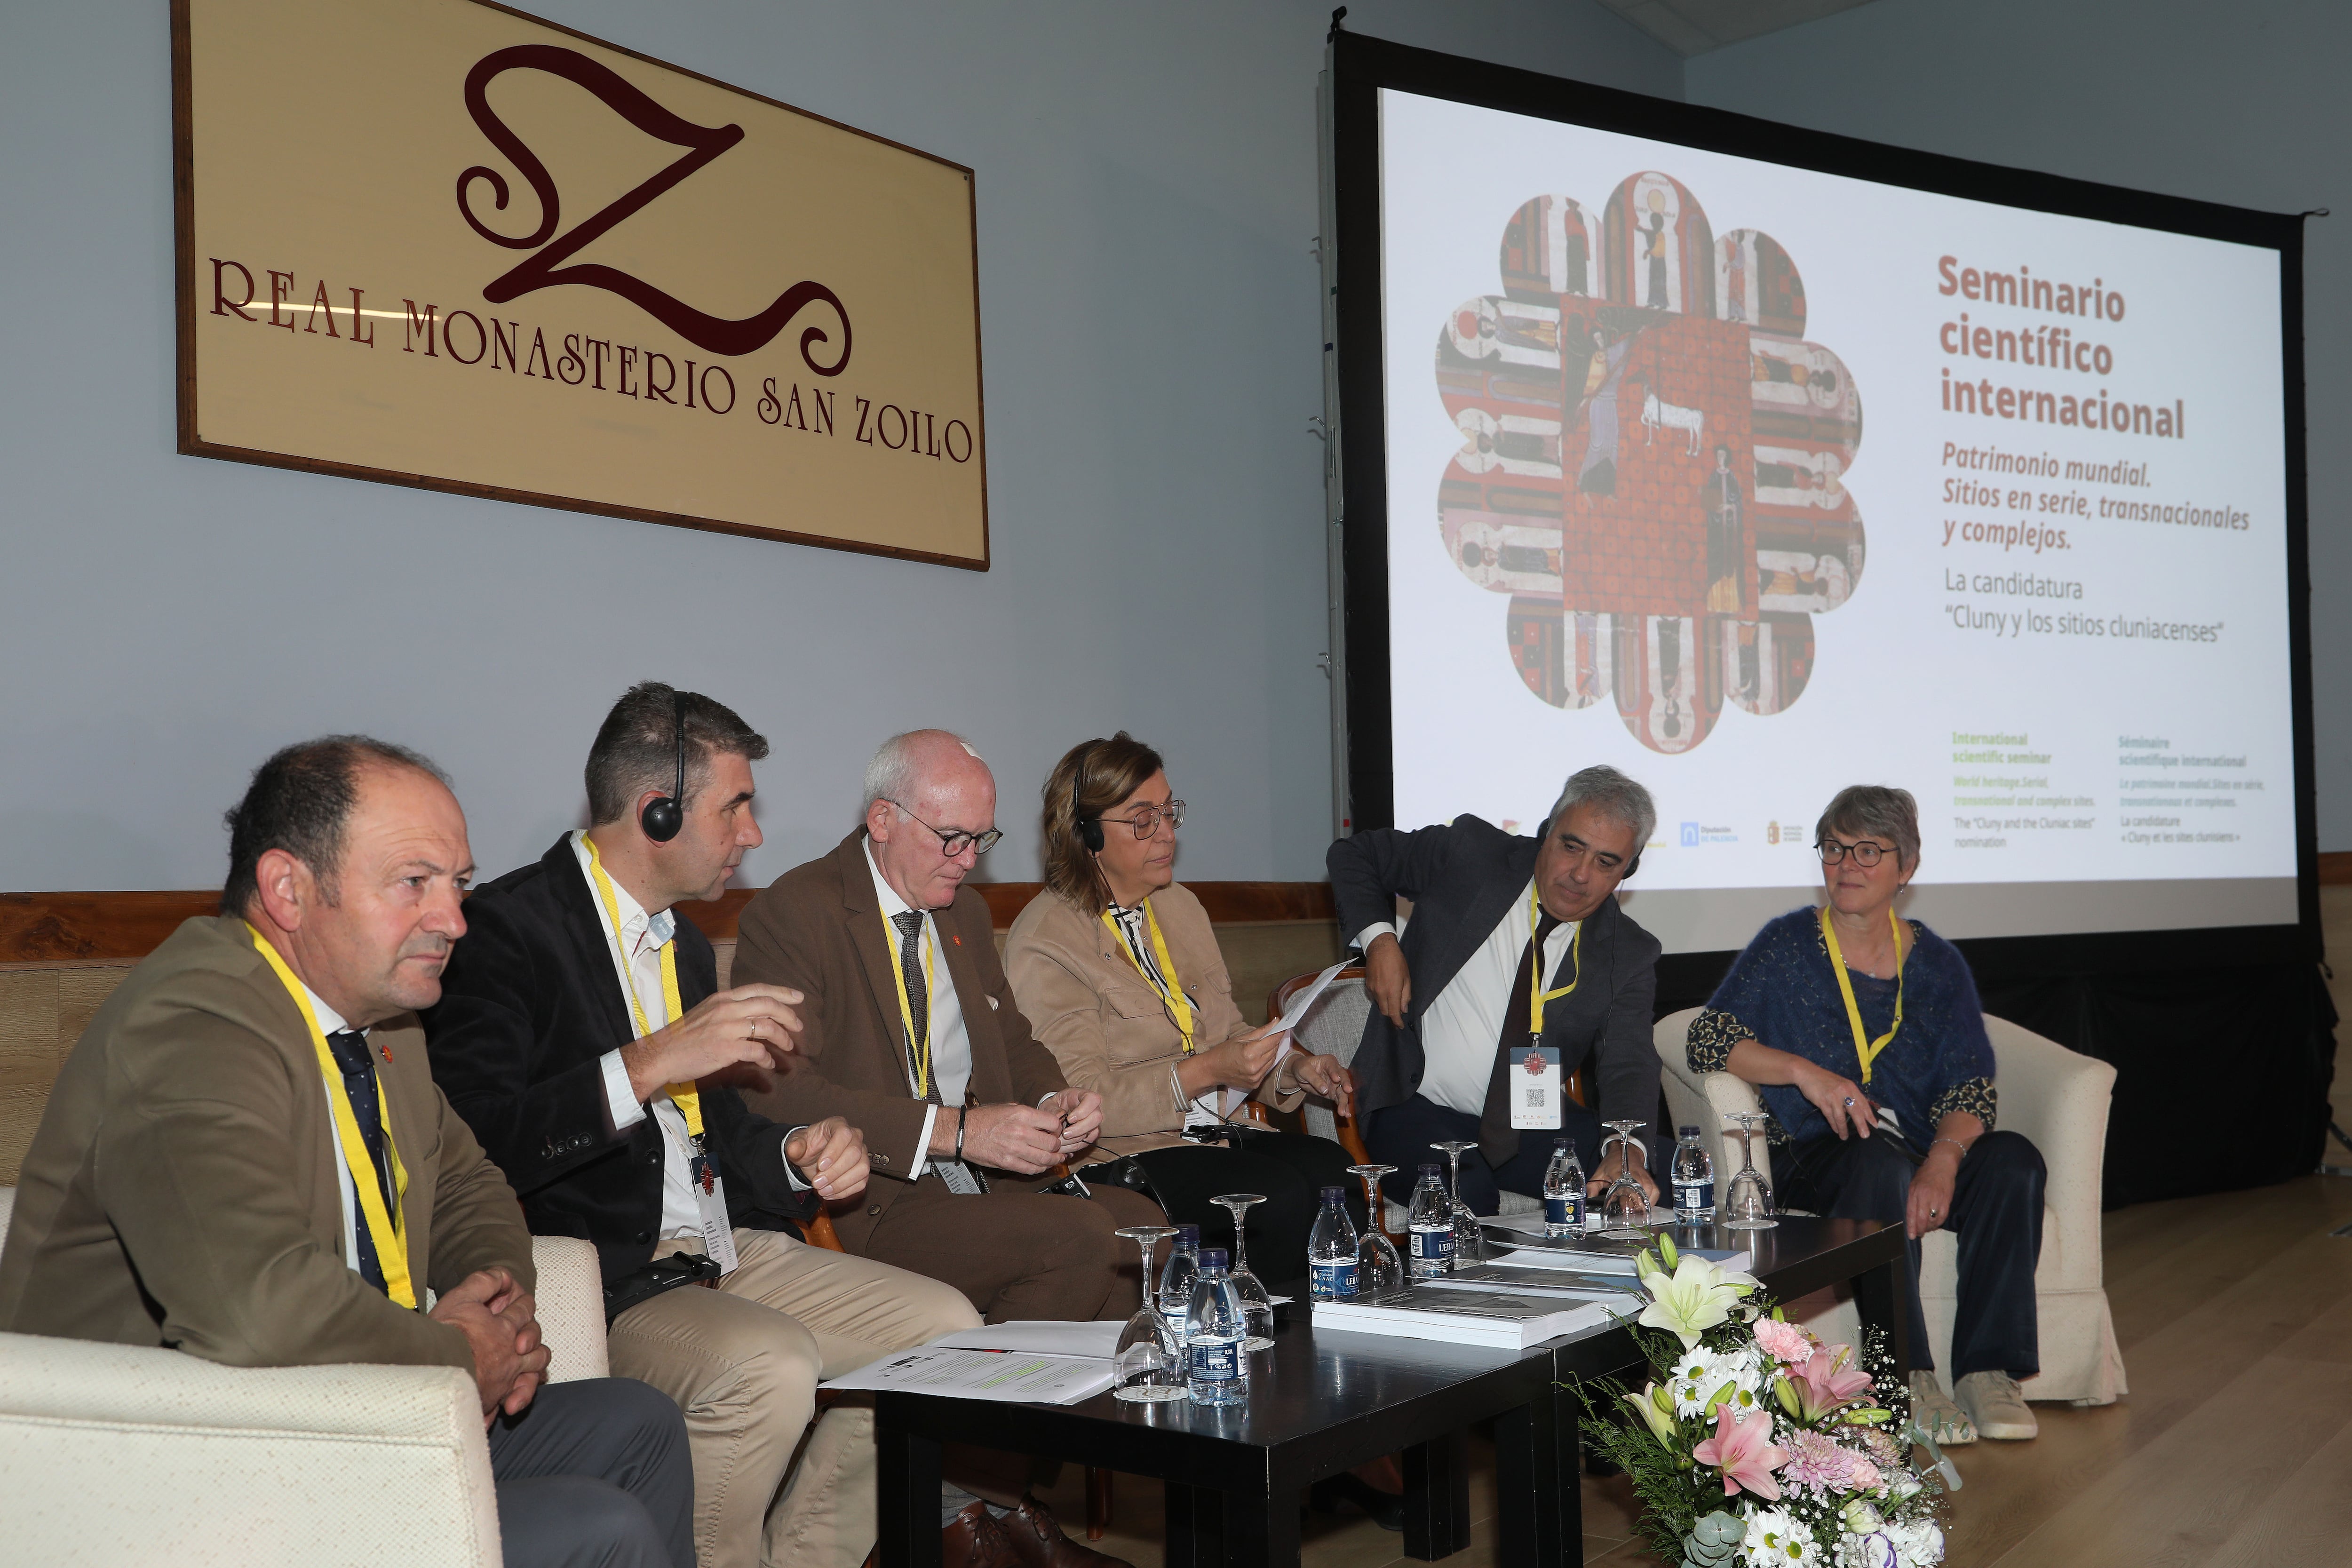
pixel 442 243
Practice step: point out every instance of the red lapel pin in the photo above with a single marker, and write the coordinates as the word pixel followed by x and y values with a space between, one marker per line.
pixel 387 1054
pixel 955 939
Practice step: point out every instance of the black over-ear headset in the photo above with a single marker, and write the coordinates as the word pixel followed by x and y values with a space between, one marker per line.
pixel 1090 832
pixel 664 815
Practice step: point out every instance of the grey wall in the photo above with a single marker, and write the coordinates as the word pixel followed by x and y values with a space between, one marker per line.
pixel 2244 103
pixel 1147 190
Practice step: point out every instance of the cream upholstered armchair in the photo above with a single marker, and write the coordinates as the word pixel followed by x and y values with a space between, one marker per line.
pixel 111 1453
pixel 2055 1098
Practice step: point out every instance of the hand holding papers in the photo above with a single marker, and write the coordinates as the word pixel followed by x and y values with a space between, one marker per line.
pixel 1293 1015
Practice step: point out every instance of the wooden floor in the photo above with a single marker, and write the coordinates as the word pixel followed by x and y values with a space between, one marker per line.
pixel 2234 1447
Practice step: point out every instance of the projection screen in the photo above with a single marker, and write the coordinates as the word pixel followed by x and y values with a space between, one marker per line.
pixel 1757 463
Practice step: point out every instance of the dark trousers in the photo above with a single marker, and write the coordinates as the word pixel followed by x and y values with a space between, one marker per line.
pixel 1290 1169
pixel 1996 1211
pixel 1400 1135
pixel 594 1474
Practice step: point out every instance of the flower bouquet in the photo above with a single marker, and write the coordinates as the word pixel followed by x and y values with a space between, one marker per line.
pixel 1754 1444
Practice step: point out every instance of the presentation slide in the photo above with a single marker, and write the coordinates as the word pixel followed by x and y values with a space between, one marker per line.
pixel 1636 515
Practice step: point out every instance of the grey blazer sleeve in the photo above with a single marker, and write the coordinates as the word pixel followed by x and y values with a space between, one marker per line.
pixel 1372 869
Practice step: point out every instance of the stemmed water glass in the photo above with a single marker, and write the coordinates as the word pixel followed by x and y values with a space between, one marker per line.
pixel 1257 1307
pixel 1625 1207
pixel 1378 1269
pixel 1148 1363
pixel 1748 1202
pixel 1469 1241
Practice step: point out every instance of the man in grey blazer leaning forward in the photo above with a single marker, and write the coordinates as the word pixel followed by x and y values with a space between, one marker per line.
pixel 1444 1051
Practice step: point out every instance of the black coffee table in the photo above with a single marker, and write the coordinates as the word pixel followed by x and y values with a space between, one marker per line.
pixel 1322 1402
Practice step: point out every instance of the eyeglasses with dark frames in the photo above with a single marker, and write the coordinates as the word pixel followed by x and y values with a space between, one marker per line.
pixel 1146 819
pixel 954 844
pixel 1865 853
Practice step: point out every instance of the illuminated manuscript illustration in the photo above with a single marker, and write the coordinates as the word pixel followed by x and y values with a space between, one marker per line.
pixel 1653 463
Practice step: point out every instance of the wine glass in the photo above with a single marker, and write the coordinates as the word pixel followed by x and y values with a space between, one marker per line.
pixel 1748 1202
pixel 1148 1363
pixel 1469 1241
pixel 1257 1307
pixel 1624 1207
pixel 1378 1269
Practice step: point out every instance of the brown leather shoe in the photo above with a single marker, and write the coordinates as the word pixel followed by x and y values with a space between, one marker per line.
pixel 973 1539
pixel 1037 1541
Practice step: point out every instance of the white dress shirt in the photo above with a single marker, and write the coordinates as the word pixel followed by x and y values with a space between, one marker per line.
pixel 951 1042
pixel 642 938
pixel 333 1023
pixel 1461 1030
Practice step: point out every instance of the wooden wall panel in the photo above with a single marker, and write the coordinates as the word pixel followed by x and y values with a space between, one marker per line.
pixel 51 928
pixel 61 954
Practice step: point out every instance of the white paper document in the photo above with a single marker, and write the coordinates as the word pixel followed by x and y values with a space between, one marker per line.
pixel 1232 1098
pixel 1306 998
pixel 1096 1340
pixel 1029 1377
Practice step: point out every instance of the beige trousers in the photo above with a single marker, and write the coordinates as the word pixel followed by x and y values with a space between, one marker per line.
pixel 743 1362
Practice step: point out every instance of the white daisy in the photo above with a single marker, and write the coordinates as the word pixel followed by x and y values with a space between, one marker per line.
pixel 1700 1373
pixel 1775 1540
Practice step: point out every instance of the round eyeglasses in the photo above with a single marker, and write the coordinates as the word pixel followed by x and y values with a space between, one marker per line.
pixel 952 844
pixel 1865 853
pixel 1147 818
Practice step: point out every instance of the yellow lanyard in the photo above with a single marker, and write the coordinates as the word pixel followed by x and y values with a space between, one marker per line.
pixel 1867 1051
pixel 388 1231
pixel 1167 988
pixel 1538 997
pixel 685 1096
pixel 920 1049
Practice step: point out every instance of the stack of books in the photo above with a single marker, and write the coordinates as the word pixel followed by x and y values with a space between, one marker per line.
pixel 1480 1311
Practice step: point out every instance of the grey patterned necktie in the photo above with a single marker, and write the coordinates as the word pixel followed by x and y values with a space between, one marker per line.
pixel 918 1000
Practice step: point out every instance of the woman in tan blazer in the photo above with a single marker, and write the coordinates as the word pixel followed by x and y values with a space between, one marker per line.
pixel 1118 975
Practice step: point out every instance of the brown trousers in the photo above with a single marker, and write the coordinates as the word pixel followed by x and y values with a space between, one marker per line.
pixel 1020 1254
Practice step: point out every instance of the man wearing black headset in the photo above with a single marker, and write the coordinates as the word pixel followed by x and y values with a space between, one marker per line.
pixel 1456 1000
pixel 575 1021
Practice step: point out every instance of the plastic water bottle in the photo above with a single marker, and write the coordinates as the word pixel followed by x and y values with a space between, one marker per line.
pixel 1432 1227
pixel 1176 1280
pixel 1563 1194
pixel 1331 1250
pixel 1693 1175
pixel 1216 1370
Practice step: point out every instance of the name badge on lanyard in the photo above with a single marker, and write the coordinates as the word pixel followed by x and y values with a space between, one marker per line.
pixel 1535 1071
pixel 710 1212
pixel 1535 1089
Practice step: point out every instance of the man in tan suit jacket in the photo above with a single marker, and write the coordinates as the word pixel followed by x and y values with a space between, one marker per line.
pixel 187 1187
pixel 946 1068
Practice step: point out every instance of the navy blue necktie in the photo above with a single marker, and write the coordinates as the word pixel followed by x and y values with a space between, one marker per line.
pixel 351 1052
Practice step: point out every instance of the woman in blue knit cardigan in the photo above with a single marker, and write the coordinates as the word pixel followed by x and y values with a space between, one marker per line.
pixel 1861 1033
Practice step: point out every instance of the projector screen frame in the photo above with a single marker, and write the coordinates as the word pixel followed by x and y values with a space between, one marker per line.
pixel 1359 68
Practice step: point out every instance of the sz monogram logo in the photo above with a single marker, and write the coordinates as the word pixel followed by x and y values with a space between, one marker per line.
pixel 545 269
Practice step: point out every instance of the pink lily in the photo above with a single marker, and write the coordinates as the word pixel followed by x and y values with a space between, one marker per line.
pixel 1744 1452
pixel 1823 1383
